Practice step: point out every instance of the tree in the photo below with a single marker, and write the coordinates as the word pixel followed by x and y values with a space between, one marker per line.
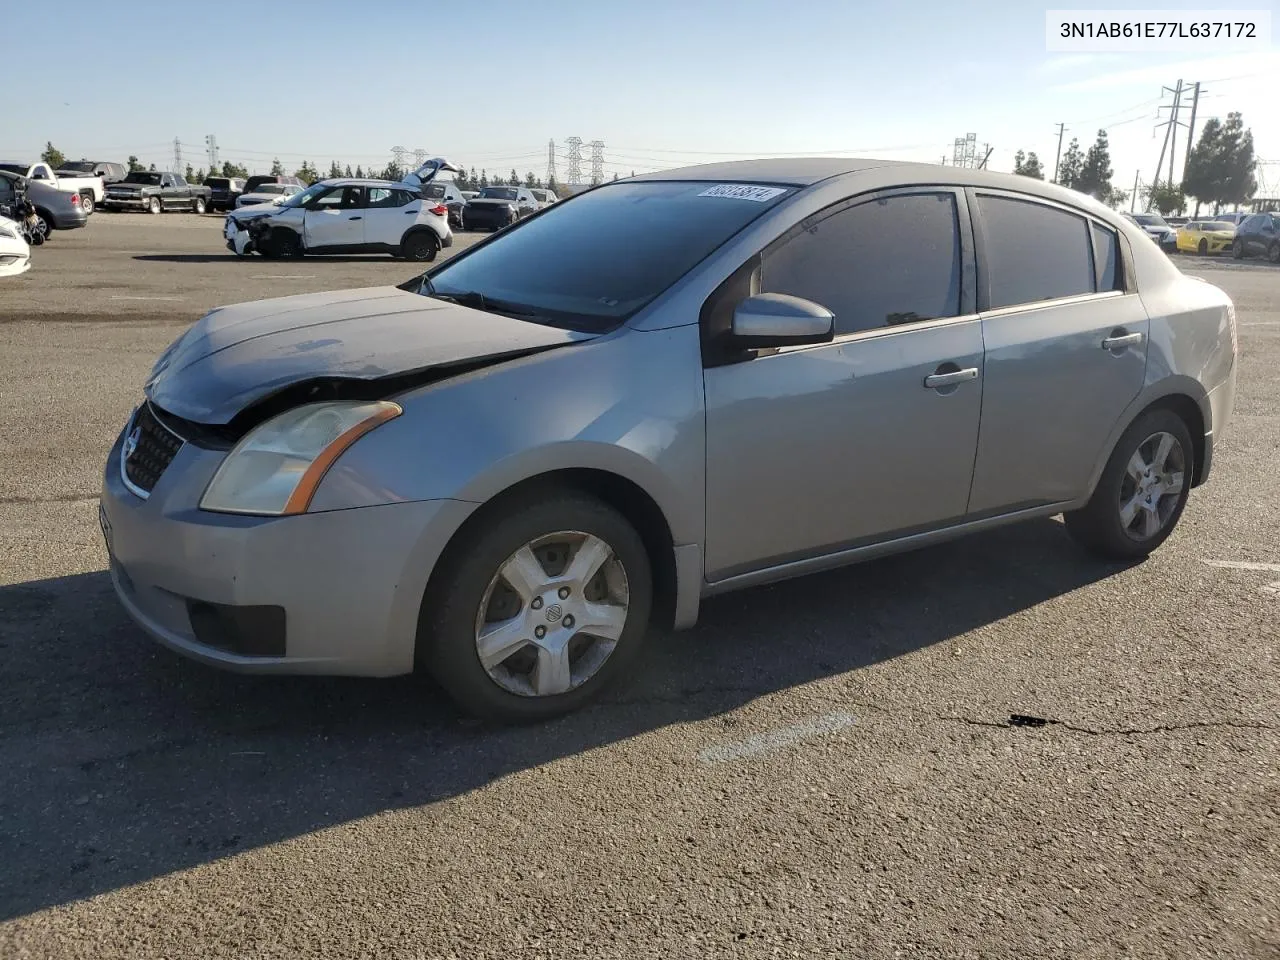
pixel 513 179
pixel 307 173
pixel 1221 168
pixel 359 172
pixel 530 180
pixel 134 164
pixel 199 177
pixel 1166 198
pixel 348 172
pixel 484 178
pixel 1028 165
pixel 190 174
pixel 335 171
pixel 1094 177
pixel 277 168
pixel 52 155
pixel 213 171
pixel 551 184
pixel 152 168
pixel 472 179
pixel 1072 161
pixel 615 175
pixel 391 172
pixel 238 170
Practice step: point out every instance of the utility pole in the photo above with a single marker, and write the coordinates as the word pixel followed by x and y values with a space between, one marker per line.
pixel 983 164
pixel 1168 126
pixel 1191 128
pixel 1062 128
pixel 1133 197
pixel 1173 128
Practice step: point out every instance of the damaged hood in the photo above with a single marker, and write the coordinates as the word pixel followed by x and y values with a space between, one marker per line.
pixel 236 356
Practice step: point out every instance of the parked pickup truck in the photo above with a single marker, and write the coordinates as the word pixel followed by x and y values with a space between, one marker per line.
pixel 90 189
pixel 156 191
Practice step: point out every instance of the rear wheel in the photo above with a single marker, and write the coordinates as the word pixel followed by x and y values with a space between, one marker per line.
pixel 1203 247
pixel 197 205
pixel 86 203
pixel 154 205
pixel 1237 249
pixel 421 246
pixel 542 606
pixel 1142 491
pixel 1273 252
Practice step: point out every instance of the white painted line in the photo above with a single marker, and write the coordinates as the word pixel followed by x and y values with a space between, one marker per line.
pixel 1245 565
pixel 147 298
pixel 283 276
pixel 776 740
pixel 1260 323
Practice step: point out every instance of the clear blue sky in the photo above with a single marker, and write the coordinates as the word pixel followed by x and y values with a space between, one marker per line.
pixel 662 83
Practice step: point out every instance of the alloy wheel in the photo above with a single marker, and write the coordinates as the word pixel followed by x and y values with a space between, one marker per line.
pixel 1152 485
pixel 552 614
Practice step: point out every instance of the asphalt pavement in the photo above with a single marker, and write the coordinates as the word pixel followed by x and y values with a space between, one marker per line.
pixel 996 748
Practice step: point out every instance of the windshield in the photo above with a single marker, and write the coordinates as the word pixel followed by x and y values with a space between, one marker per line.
pixel 302 196
pixel 270 188
pixel 498 193
pixel 1150 220
pixel 142 176
pixel 592 262
pixel 78 166
pixel 218 182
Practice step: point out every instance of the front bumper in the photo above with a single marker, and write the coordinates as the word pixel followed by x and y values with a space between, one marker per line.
pixel 337 592
pixel 125 203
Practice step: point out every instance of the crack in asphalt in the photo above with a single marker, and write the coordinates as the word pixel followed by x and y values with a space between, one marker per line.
pixel 60 498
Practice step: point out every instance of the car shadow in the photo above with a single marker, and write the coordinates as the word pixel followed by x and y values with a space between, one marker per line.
pixel 124 762
pixel 220 257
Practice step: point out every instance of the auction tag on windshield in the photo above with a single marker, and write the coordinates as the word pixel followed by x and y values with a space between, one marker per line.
pixel 742 191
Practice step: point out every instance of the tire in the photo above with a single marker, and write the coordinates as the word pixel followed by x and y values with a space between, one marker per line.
pixel 421 246
pixel 1273 252
pixel 471 579
pixel 281 244
pixel 44 225
pixel 87 203
pixel 1237 249
pixel 1099 526
pixel 1203 247
pixel 197 205
pixel 154 206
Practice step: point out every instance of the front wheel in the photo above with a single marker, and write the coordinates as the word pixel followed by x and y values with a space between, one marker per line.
pixel 1237 249
pixel 1273 252
pixel 541 607
pixel 1142 491
pixel 197 205
pixel 1203 248
pixel 154 206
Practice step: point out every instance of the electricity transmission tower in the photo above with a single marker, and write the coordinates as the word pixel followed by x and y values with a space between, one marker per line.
pixel 211 149
pixel 177 156
pixel 397 157
pixel 551 161
pixel 966 152
pixel 575 160
pixel 419 158
pixel 597 162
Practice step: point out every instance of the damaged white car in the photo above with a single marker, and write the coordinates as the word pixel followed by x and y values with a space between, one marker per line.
pixel 15 253
pixel 347 215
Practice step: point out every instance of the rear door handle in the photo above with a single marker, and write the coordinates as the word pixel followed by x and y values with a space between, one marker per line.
pixel 1122 340
pixel 355 218
pixel 936 380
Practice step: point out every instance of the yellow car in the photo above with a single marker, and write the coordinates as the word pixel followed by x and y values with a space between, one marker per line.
pixel 1205 236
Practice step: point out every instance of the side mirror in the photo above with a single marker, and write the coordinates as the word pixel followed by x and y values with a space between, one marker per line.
pixel 780 320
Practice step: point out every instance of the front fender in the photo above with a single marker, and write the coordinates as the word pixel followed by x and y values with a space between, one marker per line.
pixel 629 403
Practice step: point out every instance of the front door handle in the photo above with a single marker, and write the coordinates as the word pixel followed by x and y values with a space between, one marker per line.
pixel 355 218
pixel 936 380
pixel 1121 340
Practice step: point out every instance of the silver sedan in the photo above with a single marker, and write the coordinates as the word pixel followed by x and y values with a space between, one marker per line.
pixel 504 470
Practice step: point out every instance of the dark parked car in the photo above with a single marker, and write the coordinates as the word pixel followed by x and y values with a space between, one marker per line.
pixel 446 192
pixel 156 191
pixel 59 209
pixel 496 207
pixel 254 182
pixel 223 192
pixel 108 171
pixel 1258 236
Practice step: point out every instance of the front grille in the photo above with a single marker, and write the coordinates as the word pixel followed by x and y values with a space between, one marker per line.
pixel 154 447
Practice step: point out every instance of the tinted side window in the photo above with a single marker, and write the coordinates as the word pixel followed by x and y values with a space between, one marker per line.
pixel 880 263
pixel 1106 254
pixel 1034 252
pixel 433 191
pixel 383 197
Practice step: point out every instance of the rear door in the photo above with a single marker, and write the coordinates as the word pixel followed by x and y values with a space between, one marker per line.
pixel 1066 349
pixel 388 214
pixel 335 219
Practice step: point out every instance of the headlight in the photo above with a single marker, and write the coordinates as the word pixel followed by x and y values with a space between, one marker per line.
pixel 276 468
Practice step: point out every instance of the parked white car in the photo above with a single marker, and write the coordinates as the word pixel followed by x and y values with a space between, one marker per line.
pixel 270 193
pixel 15 254
pixel 90 189
pixel 343 216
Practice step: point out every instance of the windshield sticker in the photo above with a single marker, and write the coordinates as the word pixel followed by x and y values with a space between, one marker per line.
pixel 741 191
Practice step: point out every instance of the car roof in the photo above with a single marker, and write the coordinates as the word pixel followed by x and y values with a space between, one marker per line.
pixel 367 182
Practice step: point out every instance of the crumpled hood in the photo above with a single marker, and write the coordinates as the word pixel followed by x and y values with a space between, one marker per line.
pixel 238 355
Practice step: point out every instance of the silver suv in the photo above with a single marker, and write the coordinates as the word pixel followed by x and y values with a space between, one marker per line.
pixel 668 387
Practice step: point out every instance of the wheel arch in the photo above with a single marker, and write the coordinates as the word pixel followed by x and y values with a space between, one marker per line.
pixel 621 493
pixel 1185 397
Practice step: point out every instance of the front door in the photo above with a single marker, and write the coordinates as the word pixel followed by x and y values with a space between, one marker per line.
pixel 335 219
pixel 818 448
pixel 1066 339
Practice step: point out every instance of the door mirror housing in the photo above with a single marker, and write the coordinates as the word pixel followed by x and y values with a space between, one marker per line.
pixel 780 320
